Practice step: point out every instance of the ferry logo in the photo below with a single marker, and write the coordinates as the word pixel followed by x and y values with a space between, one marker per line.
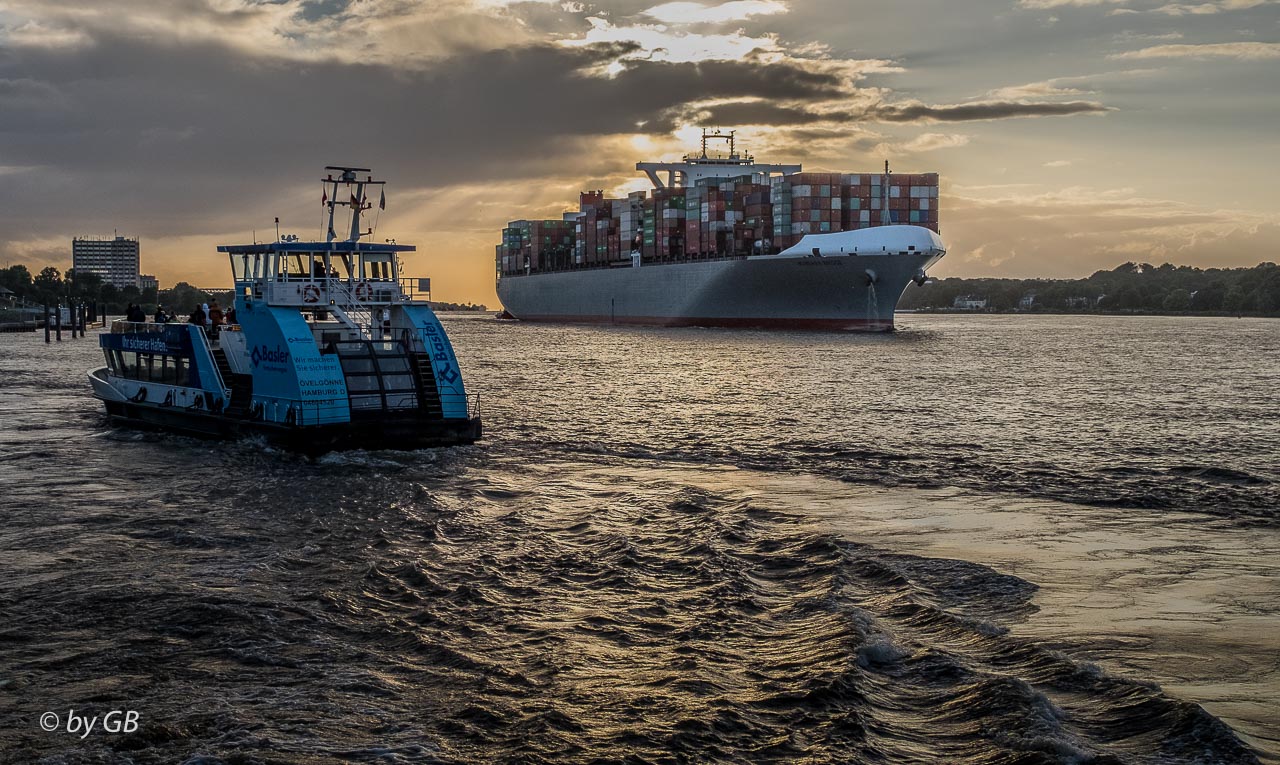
pixel 264 355
pixel 448 375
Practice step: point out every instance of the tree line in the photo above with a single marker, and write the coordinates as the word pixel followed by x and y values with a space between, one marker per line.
pixel 52 287
pixel 1130 287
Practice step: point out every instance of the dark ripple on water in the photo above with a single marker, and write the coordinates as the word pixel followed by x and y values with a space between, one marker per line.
pixel 538 599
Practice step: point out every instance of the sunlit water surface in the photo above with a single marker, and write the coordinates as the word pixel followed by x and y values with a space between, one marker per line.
pixel 978 540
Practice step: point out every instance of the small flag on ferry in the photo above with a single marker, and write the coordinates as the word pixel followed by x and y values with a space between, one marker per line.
pixel 382 200
pixel 324 198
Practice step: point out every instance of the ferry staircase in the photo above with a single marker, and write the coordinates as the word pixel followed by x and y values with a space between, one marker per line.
pixel 351 310
pixel 224 367
pixel 428 392
pixel 241 386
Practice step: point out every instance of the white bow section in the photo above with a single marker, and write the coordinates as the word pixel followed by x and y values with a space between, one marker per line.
pixel 866 241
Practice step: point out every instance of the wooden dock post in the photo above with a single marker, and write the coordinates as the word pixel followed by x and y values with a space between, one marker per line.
pixel 57 317
pixel 46 322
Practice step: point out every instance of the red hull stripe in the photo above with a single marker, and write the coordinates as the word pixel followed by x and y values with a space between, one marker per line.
pixel 863 325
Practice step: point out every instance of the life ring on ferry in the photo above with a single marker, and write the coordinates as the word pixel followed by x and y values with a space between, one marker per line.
pixel 364 291
pixel 311 294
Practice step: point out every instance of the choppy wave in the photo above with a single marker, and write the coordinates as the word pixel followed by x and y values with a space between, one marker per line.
pixel 474 623
pixel 561 592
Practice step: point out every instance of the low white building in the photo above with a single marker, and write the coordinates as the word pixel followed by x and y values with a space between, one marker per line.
pixel 969 303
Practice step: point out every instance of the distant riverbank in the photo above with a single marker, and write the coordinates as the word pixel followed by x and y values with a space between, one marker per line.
pixel 1096 312
pixel 1128 289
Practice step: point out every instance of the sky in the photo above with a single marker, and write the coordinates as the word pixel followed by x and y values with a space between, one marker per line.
pixel 1070 135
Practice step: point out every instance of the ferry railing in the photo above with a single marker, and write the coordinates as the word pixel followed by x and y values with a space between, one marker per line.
pixel 413 289
pixel 207 348
pixel 123 327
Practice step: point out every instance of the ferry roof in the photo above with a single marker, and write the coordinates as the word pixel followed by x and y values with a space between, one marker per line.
pixel 265 247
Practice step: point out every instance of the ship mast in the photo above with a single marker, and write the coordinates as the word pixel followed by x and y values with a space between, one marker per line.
pixel 885 218
pixel 356 198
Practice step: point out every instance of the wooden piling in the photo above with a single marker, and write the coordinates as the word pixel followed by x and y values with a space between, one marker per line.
pixel 57 317
pixel 46 322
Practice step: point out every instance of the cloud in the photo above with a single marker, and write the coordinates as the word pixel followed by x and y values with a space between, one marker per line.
pixel 1043 89
pixel 1043 4
pixel 1208 9
pixel 915 111
pixel 1243 51
pixel 658 42
pixel 697 13
pixel 925 142
pixel 408 34
pixel 1058 163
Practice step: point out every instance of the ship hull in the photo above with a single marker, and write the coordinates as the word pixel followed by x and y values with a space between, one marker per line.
pixel 404 433
pixel 396 430
pixel 840 292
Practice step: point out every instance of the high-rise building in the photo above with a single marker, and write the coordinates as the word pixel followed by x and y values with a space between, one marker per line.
pixel 115 260
pixel 148 282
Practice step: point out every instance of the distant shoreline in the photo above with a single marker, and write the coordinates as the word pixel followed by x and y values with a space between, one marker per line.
pixel 1055 312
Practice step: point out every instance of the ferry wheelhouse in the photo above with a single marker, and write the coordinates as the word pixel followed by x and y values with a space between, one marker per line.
pixel 330 348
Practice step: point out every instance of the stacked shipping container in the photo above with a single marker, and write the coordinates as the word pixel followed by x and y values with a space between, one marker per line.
pixel 715 218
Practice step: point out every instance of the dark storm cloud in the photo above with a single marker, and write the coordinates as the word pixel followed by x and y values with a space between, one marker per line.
pixel 764 113
pixel 983 110
pixel 180 134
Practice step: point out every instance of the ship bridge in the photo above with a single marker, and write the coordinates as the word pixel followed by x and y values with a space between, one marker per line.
pixel 695 167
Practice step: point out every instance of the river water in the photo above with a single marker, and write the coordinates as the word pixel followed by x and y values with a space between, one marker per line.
pixel 982 539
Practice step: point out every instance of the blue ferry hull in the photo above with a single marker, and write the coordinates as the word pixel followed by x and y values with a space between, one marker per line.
pixel 403 432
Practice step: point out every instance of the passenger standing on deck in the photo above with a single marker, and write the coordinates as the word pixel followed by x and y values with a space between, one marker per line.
pixel 215 316
pixel 160 318
pixel 198 317
pixel 204 311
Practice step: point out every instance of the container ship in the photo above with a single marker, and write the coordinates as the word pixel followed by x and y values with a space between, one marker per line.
pixel 724 241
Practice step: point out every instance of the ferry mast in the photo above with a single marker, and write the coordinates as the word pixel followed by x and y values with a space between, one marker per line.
pixel 357 201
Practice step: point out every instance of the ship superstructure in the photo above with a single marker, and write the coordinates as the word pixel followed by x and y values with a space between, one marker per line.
pixel 723 241
pixel 330 347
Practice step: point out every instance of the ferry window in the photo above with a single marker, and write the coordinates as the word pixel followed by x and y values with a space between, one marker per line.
pixel 358 366
pixel 398 382
pixel 239 267
pixel 146 366
pixel 393 364
pixel 357 383
pixel 111 362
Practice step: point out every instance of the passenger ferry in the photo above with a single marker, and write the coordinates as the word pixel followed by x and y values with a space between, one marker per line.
pixel 330 348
